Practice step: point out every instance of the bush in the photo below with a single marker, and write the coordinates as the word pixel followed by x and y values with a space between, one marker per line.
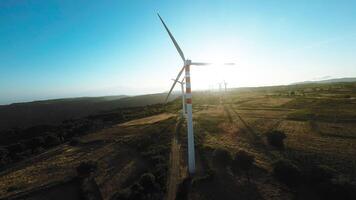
pixel 38 150
pixel 12 188
pixel 74 142
pixel 3 152
pixel 3 156
pixel 330 191
pixel 286 172
pixel 276 139
pixel 208 176
pixel 15 151
pixel 87 168
pixel 183 189
pixel 243 161
pixel 221 157
pixel 124 194
pixel 148 183
pixel 37 142
pixel 319 174
pixel 51 141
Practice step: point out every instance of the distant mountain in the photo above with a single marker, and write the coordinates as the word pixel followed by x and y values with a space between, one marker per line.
pixel 335 80
pixel 23 115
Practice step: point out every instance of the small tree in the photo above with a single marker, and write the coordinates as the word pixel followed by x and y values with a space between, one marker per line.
pixel 221 157
pixel 183 189
pixel 37 142
pixel 87 168
pixel 243 161
pixel 276 138
pixel 51 140
pixel 15 151
pixel 320 174
pixel 74 141
pixel 286 172
pixel 3 156
pixel 148 183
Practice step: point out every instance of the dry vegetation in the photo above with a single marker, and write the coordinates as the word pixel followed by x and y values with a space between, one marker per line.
pixel 320 129
pixel 315 161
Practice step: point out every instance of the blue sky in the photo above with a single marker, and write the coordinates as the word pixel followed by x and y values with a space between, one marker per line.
pixel 63 48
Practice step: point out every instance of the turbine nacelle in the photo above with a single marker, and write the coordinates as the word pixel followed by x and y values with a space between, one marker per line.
pixel 187 62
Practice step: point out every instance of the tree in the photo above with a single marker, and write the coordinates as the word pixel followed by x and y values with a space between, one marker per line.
pixel 15 151
pixel 243 161
pixel 87 168
pixel 148 183
pixel 276 138
pixel 74 142
pixel 51 140
pixel 3 156
pixel 286 172
pixel 37 142
pixel 320 174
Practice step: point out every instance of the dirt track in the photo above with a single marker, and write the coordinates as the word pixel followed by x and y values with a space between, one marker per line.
pixel 174 173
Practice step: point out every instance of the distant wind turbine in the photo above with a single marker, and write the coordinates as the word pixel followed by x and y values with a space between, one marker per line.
pixel 225 84
pixel 186 67
pixel 183 95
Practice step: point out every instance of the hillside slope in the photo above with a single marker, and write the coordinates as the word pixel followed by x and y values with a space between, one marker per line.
pixel 23 115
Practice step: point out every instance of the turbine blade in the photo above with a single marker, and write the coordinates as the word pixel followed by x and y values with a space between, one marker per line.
pixel 173 40
pixel 199 63
pixel 175 81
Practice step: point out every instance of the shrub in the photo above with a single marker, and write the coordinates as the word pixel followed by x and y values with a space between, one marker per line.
pixel 320 174
pixel 208 176
pixel 37 142
pixel 276 138
pixel 124 194
pixel 3 152
pixel 221 157
pixel 148 183
pixel 332 190
pixel 183 189
pixel 51 140
pixel 13 188
pixel 243 161
pixel 87 168
pixel 38 150
pixel 74 142
pixel 16 148
pixel 3 156
pixel 286 172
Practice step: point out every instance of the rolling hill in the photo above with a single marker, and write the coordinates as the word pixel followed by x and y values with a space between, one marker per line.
pixel 23 115
pixel 335 80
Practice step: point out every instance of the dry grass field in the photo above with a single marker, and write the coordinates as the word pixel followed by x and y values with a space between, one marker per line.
pixel 120 161
pixel 320 128
pixel 319 122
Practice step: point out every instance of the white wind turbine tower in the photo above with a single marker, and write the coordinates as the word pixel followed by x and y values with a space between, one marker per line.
pixel 188 96
pixel 225 84
pixel 183 96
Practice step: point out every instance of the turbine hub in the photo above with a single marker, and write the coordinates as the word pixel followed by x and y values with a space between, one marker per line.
pixel 188 62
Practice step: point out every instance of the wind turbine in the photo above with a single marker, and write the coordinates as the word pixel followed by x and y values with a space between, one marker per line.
pixel 183 95
pixel 225 84
pixel 188 97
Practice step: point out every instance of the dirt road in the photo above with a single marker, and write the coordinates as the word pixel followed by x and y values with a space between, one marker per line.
pixel 174 173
